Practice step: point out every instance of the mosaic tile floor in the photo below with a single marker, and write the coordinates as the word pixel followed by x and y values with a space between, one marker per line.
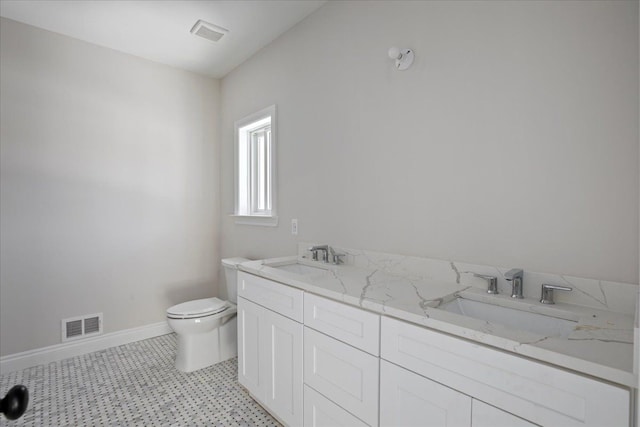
pixel 134 385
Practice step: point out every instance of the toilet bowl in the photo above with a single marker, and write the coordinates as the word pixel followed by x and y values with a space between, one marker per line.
pixel 206 328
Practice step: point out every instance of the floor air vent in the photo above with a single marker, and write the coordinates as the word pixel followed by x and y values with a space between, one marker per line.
pixel 81 327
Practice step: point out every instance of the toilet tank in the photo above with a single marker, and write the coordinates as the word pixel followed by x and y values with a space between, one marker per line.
pixel 231 274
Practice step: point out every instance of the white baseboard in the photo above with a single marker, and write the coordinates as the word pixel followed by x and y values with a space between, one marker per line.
pixel 44 355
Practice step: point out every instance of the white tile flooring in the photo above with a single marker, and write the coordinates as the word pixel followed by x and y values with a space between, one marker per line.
pixel 134 385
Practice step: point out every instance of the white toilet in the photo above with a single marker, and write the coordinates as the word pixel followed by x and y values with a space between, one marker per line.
pixel 207 328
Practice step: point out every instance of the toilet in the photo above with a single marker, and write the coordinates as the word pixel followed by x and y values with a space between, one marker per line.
pixel 207 328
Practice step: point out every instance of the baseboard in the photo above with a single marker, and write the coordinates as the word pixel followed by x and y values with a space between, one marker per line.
pixel 45 355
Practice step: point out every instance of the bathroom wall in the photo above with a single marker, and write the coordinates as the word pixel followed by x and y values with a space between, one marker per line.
pixel 512 141
pixel 108 186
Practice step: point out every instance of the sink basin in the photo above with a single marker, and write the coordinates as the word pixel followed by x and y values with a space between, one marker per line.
pixel 301 269
pixel 537 323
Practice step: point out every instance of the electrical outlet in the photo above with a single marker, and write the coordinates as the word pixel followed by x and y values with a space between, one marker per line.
pixel 294 226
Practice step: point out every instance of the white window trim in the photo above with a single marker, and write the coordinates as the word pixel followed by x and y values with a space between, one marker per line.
pixel 262 220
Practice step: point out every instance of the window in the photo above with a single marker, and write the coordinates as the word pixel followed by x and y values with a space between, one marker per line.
pixel 255 138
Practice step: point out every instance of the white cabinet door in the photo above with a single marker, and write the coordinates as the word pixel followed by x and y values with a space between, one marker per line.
pixel 321 412
pixel 483 415
pixel 343 374
pixel 249 348
pixel 283 358
pixel 408 399
pixel 270 360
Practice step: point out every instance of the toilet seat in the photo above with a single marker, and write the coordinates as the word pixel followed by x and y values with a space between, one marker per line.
pixel 197 308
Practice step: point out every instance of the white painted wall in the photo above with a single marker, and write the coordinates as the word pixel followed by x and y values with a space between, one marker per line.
pixel 513 139
pixel 108 186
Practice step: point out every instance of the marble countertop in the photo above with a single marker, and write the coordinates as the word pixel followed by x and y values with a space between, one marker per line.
pixel 601 344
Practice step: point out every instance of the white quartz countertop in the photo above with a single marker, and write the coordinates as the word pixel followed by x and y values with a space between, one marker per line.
pixel 601 345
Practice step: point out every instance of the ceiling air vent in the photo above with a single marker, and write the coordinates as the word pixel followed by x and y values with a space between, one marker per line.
pixel 208 31
pixel 81 327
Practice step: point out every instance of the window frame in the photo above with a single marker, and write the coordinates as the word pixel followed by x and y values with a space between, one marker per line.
pixel 243 177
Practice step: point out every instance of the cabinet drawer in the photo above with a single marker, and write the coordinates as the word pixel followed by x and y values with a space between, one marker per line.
pixel 540 393
pixel 487 416
pixel 275 296
pixel 343 374
pixel 321 412
pixel 349 324
pixel 408 399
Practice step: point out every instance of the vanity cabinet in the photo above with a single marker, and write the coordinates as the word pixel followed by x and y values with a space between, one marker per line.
pixel 270 346
pixel 316 362
pixel 538 393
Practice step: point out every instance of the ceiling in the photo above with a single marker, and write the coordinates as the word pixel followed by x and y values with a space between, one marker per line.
pixel 160 30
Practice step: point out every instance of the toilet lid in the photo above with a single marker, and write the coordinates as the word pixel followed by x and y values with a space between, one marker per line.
pixel 198 308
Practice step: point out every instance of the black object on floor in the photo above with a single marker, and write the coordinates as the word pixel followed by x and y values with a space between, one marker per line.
pixel 15 402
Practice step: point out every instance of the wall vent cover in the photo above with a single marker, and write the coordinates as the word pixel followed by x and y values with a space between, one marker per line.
pixel 91 325
pixel 81 327
pixel 208 31
pixel 74 328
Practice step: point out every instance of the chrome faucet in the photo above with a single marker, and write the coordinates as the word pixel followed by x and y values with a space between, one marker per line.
pixel 320 248
pixel 515 277
pixel 328 254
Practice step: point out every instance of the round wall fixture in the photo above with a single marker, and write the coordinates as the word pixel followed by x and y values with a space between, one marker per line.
pixel 403 57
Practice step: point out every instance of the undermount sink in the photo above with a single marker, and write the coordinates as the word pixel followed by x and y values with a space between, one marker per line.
pixel 511 318
pixel 301 269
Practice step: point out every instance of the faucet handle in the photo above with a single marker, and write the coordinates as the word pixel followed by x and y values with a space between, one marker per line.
pixel 492 282
pixel 546 296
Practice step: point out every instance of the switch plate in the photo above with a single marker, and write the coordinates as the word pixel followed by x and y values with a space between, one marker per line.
pixel 294 226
